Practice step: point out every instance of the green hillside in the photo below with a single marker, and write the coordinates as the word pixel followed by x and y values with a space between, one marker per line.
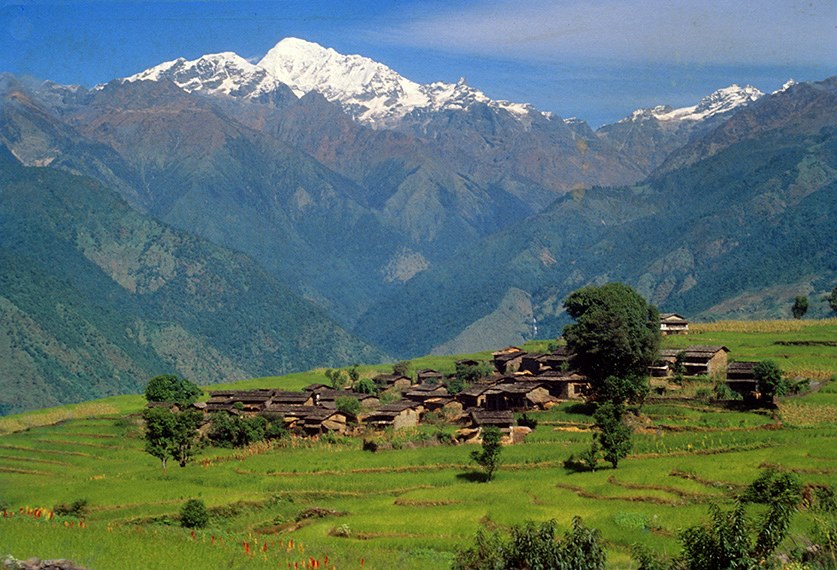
pixel 96 298
pixel 289 503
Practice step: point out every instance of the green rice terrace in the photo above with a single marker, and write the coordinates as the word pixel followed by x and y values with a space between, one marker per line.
pixel 327 503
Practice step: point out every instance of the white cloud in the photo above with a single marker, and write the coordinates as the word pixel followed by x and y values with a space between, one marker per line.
pixel 710 32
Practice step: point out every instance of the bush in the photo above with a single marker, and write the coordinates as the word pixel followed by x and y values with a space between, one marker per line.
pixel 533 545
pixel 769 377
pixel 724 392
pixel 348 405
pixel 194 514
pixel 77 508
pixel 772 485
pixel 237 431
pixel 365 386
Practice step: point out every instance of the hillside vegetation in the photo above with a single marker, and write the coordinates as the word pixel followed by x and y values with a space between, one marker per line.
pixel 299 501
pixel 95 298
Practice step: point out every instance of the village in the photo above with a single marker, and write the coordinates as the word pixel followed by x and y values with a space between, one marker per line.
pixel 518 382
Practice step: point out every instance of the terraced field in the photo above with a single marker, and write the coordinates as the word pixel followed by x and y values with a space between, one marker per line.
pixel 330 504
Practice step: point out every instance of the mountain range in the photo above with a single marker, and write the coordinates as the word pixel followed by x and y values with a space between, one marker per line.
pixel 400 217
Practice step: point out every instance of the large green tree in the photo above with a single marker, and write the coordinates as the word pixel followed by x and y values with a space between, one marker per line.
pixel 171 435
pixel 832 300
pixel 616 334
pixel 171 388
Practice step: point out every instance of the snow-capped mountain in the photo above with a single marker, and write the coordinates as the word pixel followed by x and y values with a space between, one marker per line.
pixel 721 101
pixel 223 73
pixel 372 92
pixel 369 91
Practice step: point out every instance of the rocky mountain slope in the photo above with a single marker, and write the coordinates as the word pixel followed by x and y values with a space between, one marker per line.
pixel 744 222
pixel 96 298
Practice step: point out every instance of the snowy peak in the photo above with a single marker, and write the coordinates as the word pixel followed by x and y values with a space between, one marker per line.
pixel 721 101
pixel 365 87
pixel 370 91
pixel 221 73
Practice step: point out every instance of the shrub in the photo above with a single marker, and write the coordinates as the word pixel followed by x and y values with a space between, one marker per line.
pixel 769 377
pixel 77 508
pixel 724 392
pixel 237 431
pixel 194 514
pixel 533 545
pixel 348 405
pixel 772 485
pixel 365 386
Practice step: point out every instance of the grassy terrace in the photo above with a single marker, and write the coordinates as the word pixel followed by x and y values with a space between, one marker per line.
pixel 410 507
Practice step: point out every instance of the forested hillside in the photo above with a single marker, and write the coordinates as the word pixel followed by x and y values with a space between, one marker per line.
pixel 96 298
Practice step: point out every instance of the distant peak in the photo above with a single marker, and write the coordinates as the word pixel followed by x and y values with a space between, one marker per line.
pixel 723 100
pixel 224 73
pixel 788 84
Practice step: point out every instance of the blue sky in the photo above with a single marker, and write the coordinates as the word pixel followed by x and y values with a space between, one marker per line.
pixel 593 59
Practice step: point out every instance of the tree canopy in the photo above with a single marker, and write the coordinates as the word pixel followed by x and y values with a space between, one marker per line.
pixel 171 388
pixel 171 435
pixel 489 456
pixel 800 306
pixel 616 333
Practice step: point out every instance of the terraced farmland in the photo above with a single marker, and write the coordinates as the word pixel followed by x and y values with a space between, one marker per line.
pixel 330 504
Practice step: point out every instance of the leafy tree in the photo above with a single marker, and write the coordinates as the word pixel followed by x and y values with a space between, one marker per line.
pixel 336 377
pixel 236 431
pixel 171 435
pixel 770 380
pixel 629 388
pixel 613 437
pixel 401 368
pixel 616 333
pixel 470 373
pixel 354 374
pixel 365 386
pixel 800 306
pixel 348 405
pixel 489 456
pixel 532 546
pixel 466 374
pixel 194 514
pixel 732 540
pixel 171 388
pixel 832 300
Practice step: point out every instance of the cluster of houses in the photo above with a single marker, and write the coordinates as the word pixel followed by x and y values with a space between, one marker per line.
pixel 521 381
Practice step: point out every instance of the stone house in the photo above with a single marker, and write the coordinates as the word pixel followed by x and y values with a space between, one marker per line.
pixel 672 323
